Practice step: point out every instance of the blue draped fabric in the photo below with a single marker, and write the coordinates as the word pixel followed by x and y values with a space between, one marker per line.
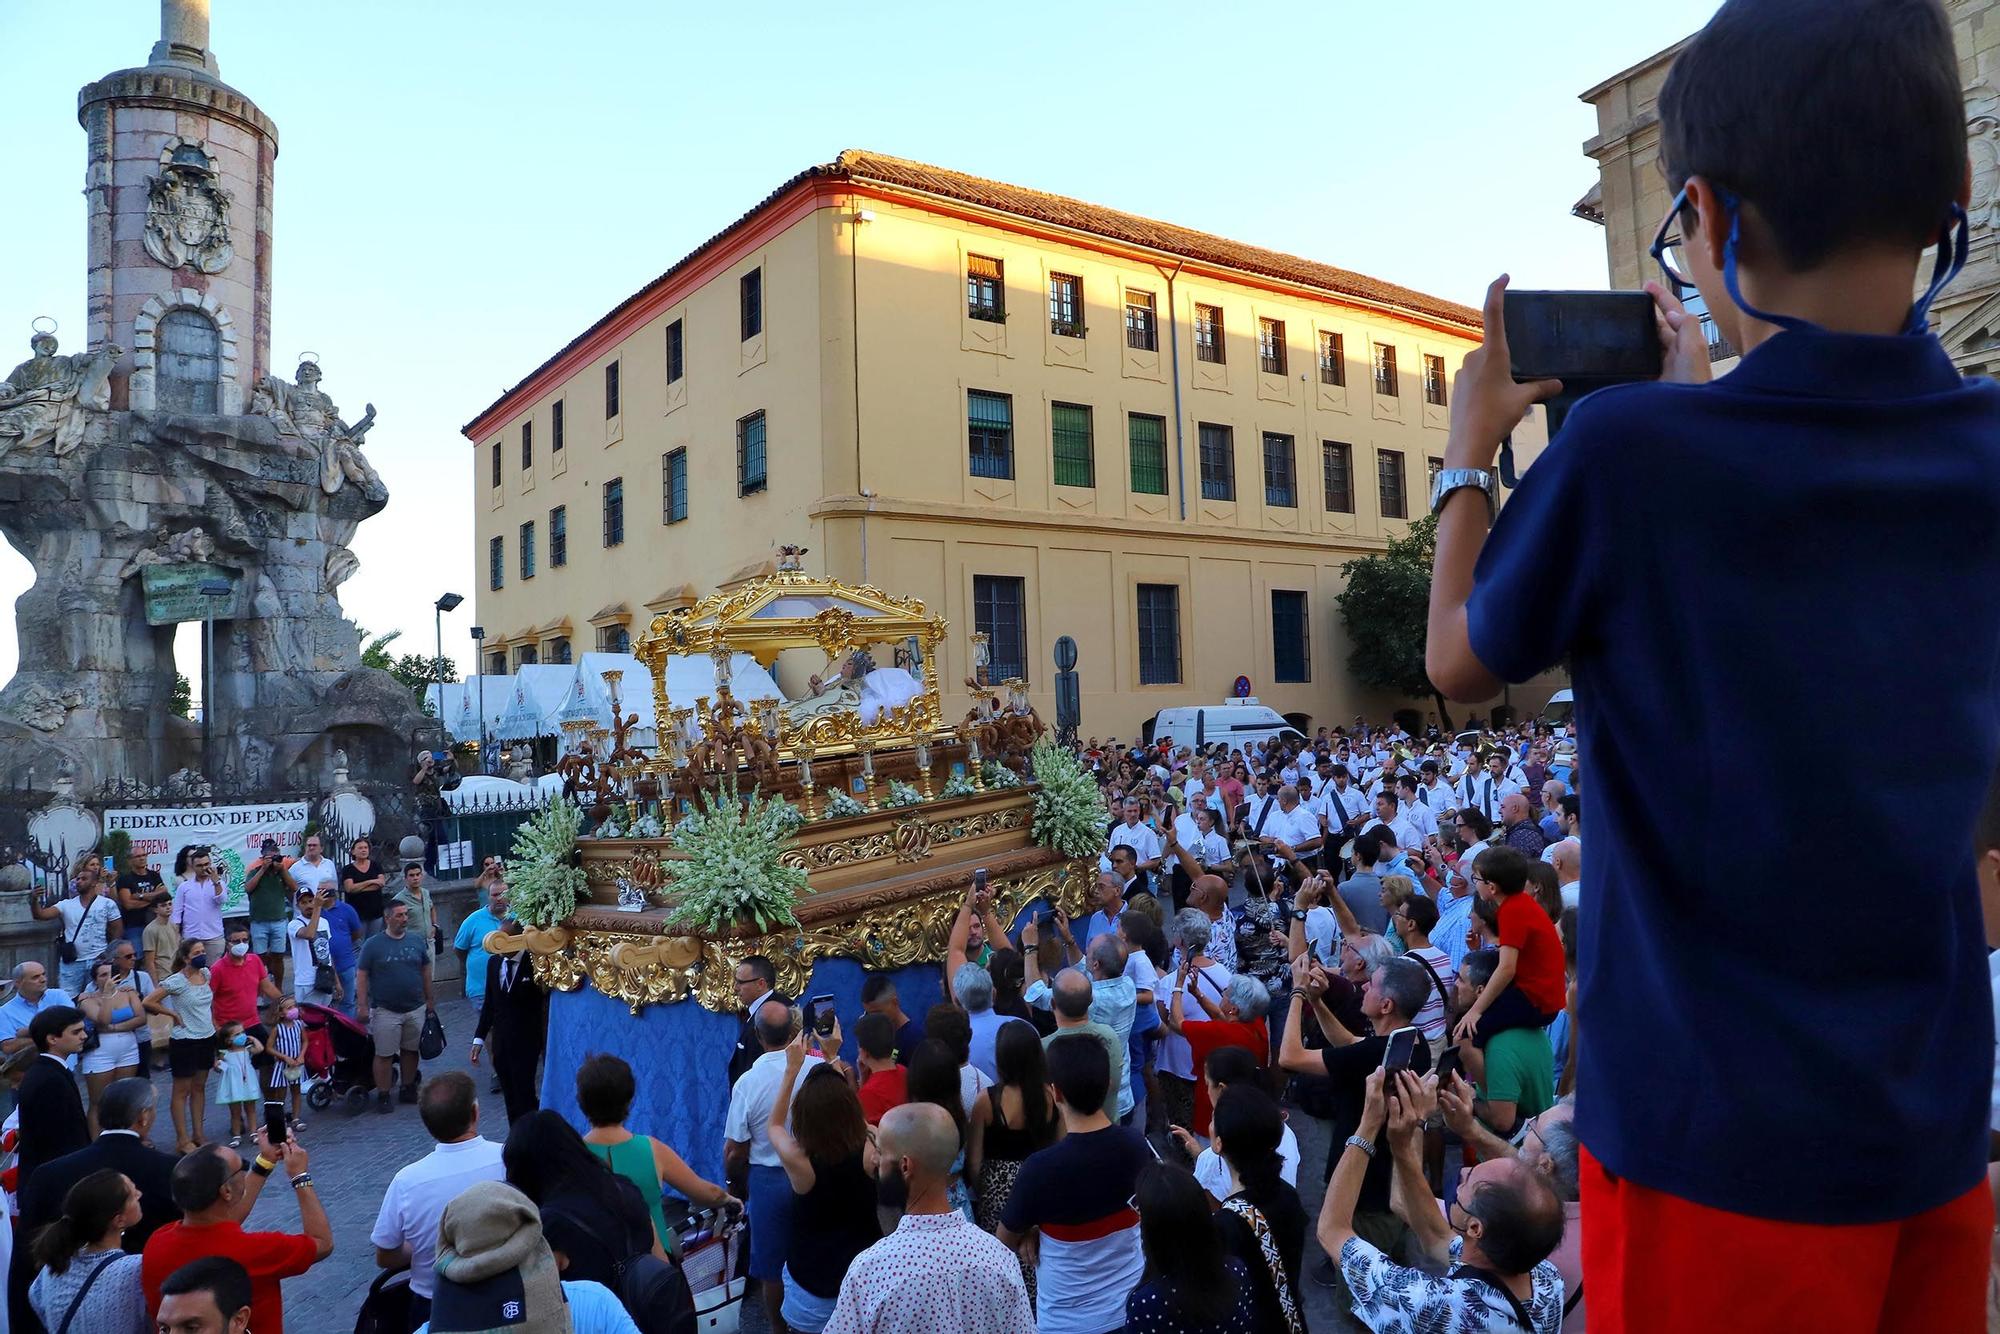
pixel 679 1053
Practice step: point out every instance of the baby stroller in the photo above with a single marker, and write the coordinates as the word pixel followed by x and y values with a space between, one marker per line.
pixel 711 1243
pixel 339 1059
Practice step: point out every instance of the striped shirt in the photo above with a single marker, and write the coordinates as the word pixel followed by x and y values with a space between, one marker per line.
pixel 1078 1191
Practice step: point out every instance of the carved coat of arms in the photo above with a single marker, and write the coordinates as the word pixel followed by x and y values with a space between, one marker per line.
pixel 187 212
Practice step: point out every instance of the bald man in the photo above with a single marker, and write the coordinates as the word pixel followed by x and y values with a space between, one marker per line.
pixel 1518 828
pixel 747 1145
pixel 1567 857
pixel 936 1267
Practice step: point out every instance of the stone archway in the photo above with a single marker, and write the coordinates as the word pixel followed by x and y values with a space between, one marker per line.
pixel 144 390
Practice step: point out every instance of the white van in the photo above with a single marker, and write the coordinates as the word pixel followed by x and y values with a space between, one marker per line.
pixel 1235 722
pixel 1561 709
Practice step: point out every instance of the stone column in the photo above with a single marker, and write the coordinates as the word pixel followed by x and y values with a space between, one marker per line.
pixel 184 35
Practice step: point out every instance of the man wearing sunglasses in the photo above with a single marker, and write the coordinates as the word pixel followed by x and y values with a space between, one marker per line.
pixel 1817 521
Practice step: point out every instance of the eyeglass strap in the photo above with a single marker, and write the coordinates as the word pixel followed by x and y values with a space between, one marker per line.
pixel 1953 245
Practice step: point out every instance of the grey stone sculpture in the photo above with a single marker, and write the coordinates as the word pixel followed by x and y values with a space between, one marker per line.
pixel 45 397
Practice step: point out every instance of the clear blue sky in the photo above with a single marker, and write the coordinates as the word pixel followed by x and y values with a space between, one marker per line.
pixel 463 186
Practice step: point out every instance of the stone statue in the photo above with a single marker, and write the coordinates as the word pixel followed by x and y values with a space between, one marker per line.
pixel 187 212
pixel 521 765
pixel 188 546
pixel 302 411
pixel 45 397
pixel 46 710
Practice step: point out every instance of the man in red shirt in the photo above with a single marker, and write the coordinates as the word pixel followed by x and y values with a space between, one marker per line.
pixel 884 1084
pixel 1236 1020
pixel 215 1192
pixel 239 978
pixel 1530 986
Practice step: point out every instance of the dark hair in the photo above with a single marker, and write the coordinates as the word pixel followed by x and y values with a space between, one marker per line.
pixel 952 1026
pixel 1250 1127
pixel 51 1023
pixel 875 1035
pixel 1422 912
pixel 1479 966
pixel 1505 867
pixel 121 1105
pixel 88 1211
pixel 1572 805
pixel 1405 983
pixel 1009 974
pixel 1408 781
pixel 1183 1247
pixel 1023 1065
pixel 827 1119
pixel 1547 889
pixel 1367 847
pixel 872 986
pixel 1230 1065
pixel 1147 938
pixel 1481 826
pixel 217 1275
pixel 1870 144
pixel 605 1089
pixel 934 1078
pixel 1566 924
pixel 762 967
pixel 544 1154
pixel 1488 913
pixel 1080 1068
pixel 199 1177
pixel 448 1105
pixel 1523 1218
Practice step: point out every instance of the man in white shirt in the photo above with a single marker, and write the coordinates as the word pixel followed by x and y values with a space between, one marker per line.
pixel 1343 803
pixel 313 872
pixel 1261 803
pixel 1420 817
pixel 1134 834
pixel 1195 785
pixel 1566 855
pixel 1433 792
pixel 90 920
pixel 746 1142
pixel 1389 815
pixel 1485 788
pixel 406 1227
pixel 1290 832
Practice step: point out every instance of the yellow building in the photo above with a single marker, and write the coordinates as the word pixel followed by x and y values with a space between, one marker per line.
pixel 1039 416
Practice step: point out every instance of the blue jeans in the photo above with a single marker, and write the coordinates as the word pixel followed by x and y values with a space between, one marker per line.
pixel 73 977
pixel 346 1002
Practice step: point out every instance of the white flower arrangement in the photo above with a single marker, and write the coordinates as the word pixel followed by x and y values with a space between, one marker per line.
pixel 959 786
pixel 1069 809
pixel 903 794
pixel 733 870
pixel 840 805
pixel 999 775
pixel 544 880
pixel 648 826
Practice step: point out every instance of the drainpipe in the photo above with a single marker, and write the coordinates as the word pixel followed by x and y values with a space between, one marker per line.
pixel 855 219
pixel 1174 346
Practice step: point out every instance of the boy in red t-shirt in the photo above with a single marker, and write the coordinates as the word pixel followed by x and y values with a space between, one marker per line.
pixel 1528 989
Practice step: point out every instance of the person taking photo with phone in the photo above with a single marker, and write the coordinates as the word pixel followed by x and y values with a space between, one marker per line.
pixel 1816 149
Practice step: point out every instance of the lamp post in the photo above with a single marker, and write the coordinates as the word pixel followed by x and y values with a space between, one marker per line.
pixel 212 592
pixel 447 602
pixel 479 675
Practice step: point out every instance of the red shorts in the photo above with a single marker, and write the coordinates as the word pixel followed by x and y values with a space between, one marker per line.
pixel 1657 1262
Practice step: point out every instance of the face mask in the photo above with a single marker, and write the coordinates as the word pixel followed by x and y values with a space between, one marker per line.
pixel 239 1041
pixel 240 948
pixel 291 1016
pixel 198 960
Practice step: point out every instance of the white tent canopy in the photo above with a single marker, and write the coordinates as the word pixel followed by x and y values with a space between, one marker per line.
pixel 539 692
pixel 457 703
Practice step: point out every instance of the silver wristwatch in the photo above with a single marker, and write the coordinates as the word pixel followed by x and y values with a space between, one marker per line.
pixel 1455 479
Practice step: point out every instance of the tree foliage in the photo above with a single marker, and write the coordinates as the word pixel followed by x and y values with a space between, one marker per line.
pixel 415 670
pixel 181 702
pixel 1385 609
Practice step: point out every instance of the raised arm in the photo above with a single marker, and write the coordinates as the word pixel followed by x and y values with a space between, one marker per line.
pixel 1410 1190
pixel 798 1167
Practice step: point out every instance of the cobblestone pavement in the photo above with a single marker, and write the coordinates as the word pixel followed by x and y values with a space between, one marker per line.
pixel 351 1159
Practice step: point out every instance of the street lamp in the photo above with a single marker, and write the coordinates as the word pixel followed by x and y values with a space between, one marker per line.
pixel 213 591
pixel 448 602
pixel 479 675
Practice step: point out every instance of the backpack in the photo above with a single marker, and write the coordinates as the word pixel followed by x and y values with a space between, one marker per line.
pixel 318 1050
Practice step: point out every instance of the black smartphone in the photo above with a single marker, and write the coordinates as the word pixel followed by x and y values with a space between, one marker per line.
pixel 820 1014
pixel 1045 919
pixel 979 880
pixel 1396 1058
pixel 1597 338
pixel 275 1128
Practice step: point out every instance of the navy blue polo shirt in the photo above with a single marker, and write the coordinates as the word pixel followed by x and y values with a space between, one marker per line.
pixel 1789 1020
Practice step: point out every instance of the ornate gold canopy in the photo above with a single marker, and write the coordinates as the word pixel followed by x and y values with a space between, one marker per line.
pixel 793 610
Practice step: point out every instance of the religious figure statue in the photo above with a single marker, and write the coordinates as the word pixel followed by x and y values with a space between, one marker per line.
pixel 187 212
pixel 45 397
pixel 839 693
pixel 1982 150
pixel 302 411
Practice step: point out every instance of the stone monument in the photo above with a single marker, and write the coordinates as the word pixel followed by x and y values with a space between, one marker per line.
pixel 164 473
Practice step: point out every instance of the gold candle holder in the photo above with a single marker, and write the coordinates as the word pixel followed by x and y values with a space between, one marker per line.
pixel 805 756
pixel 924 768
pixel 972 761
pixel 868 774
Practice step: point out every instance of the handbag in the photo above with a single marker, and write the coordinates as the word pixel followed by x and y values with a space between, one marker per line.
pixel 430 1045
pixel 1253 1217
pixel 68 947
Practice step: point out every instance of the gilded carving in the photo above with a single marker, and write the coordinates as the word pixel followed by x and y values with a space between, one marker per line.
pixel 913 841
pixel 907 929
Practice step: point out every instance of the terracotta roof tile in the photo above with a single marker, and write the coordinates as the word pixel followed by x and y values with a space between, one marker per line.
pixel 860 166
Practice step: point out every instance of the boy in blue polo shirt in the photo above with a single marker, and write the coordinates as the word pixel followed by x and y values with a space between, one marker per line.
pixel 1780 1135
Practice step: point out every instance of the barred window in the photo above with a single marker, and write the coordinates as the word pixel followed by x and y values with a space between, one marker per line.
pixel 989 428
pixel 1159 634
pixel 493 461
pixel 1434 381
pixel 1337 460
pixel 751 301
pixel 1281 487
pixel 1332 358
pixel 558 537
pixel 556 427
pixel 1066 305
pixel 1208 334
pixel 496 562
pixel 1149 454
pixel 674 486
pixel 750 457
pixel 676 352
pixel 527 445
pixel 1271 346
pixel 1385 370
pixel 999 608
pixel 1291 643
pixel 1389 476
pixel 614 511
pixel 1218 462
pixel 528 550
pixel 611 391
pixel 985 289
pixel 1141 328
pixel 1075 458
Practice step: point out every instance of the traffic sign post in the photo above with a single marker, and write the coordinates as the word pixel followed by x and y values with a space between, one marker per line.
pixel 1069 695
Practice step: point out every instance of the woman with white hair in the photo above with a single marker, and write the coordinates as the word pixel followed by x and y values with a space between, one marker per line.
pixel 1234 1019
pixel 1191 932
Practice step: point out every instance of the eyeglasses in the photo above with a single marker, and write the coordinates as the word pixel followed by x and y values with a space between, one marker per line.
pixel 1669 249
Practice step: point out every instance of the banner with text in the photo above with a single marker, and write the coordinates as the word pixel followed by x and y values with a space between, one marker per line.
pixel 234 834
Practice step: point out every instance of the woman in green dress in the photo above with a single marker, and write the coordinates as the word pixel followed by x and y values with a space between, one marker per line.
pixel 604 1091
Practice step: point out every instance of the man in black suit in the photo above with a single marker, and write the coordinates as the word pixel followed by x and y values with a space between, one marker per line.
pixel 515 1011
pixel 756 981
pixel 125 1112
pixel 52 1121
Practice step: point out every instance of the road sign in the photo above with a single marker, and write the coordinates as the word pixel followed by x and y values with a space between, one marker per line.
pixel 176 593
pixel 1242 687
pixel 1065 654
pixel 1069 693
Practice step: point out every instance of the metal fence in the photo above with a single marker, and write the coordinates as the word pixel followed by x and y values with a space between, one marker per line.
pixel 488 821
